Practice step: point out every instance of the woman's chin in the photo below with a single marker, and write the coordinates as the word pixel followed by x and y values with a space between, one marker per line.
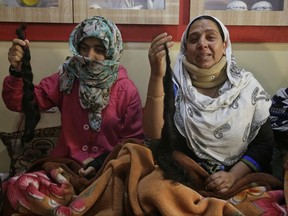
pixel 204 65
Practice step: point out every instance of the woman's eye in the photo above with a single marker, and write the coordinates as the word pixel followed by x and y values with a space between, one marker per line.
pixel 193 40
pixel 211 37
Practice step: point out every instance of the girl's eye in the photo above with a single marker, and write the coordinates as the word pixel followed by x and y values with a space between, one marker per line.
pixel 99 49
pixel 83 48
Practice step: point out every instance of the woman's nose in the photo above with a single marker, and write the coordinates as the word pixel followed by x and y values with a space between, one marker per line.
pixel 202 42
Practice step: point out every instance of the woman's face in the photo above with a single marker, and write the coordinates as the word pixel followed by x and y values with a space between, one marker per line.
pixel 93 48
pixel 204 44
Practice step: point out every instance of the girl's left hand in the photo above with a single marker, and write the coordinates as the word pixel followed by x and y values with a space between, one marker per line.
pixel 86 171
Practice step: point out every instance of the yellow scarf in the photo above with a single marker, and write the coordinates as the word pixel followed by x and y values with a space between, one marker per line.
pixel 207 78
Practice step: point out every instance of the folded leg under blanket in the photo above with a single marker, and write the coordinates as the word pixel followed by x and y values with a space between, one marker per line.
pixel 129 183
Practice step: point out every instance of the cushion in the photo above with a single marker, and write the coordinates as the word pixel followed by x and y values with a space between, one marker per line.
pixel 22 156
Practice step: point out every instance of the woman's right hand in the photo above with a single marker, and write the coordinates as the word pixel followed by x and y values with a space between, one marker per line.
pixel 153 111
pixel 16 52
pixel 157 52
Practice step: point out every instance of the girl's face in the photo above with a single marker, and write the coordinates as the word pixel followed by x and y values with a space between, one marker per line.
pixel 204 44
pixel 93 48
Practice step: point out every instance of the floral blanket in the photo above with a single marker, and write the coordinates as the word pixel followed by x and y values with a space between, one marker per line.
pixel 129 183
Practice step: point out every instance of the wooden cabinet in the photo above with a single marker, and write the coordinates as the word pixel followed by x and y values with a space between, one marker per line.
pixel 276 17
pixel 168 15
pixel 74 11
pixel 143 25
pixel 63 13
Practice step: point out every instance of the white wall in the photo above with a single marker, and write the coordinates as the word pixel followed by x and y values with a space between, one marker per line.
pixel 268 62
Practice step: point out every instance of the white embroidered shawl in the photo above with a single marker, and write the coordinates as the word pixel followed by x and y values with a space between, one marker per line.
pixel 220 129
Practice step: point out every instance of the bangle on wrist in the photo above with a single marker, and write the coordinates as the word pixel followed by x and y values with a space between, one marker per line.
pixel 15 73
pixel 155 97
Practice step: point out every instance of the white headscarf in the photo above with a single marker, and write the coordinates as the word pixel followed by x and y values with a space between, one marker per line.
pixel 219 129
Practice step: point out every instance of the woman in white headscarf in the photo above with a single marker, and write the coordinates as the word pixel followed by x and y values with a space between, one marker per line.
pixel 221 111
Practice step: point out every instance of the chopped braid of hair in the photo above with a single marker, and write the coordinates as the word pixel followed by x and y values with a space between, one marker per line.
pixel 168 134
pixel 29 106
pixel 170 137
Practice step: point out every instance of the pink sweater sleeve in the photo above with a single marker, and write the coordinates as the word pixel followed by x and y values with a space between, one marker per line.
pixel 46 93
pixel 132 126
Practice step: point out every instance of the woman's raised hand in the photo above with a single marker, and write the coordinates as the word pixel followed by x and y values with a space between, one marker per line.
pixel 157 52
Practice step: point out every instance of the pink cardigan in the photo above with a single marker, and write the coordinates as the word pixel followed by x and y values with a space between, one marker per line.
pixel 121 119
